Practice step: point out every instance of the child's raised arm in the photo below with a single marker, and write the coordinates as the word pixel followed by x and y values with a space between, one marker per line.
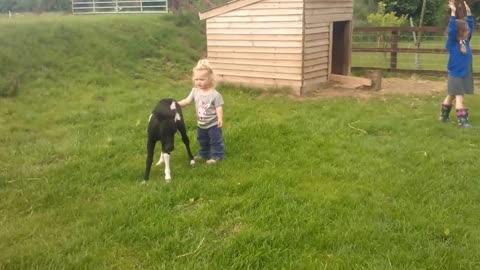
pixel 452 25
pixel 469 19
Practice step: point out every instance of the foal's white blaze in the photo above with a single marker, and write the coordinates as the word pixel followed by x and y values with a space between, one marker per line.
pixel 172 106
pixel 149 118
pixel 160 161
pixel 166 157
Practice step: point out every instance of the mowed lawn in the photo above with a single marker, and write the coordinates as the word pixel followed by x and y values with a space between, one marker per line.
pixel 340 183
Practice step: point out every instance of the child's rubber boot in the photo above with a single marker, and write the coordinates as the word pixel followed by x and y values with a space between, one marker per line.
pixel 445 113
pixel 462 118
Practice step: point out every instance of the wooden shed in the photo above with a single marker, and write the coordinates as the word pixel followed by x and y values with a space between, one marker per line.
pixel 280 43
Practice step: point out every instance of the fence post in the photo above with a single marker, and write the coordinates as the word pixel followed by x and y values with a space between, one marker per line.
pixel 394 47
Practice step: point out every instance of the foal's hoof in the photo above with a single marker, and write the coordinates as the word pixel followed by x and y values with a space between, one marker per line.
pixel 159 163
pixel 143 182
pixel 192 162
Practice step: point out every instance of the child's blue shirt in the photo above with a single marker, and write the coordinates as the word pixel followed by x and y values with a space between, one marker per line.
pixel 458 63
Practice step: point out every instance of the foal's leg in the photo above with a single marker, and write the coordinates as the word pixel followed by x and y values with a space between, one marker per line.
pixel 160 161
pixel 166 158
pixel 167 148
pixel 148 164
pixel 183 131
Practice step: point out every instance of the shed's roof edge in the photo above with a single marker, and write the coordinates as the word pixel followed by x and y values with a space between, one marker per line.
pixel 224 8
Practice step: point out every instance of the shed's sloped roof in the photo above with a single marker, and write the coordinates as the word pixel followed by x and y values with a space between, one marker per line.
pixel 222 9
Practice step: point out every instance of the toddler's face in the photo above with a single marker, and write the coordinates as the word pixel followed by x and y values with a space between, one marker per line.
pixel 201 79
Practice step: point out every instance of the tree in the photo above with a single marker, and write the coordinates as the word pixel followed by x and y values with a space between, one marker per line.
pixel 413 9
pixel 34 5
pixel 418 37
pixel 361 9
pixel 383 18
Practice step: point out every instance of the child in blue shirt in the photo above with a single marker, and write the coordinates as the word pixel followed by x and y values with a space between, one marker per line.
pixel 460 79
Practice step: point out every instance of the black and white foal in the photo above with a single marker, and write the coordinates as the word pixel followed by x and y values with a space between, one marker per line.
pixel 165 120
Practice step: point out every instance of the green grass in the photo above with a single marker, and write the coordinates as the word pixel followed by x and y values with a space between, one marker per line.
pixel 339 183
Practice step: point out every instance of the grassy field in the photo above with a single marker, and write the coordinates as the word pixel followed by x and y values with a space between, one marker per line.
pixel 339 183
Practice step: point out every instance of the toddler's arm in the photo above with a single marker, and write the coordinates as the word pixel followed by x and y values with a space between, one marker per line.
pixel 184 102
pixel 219 110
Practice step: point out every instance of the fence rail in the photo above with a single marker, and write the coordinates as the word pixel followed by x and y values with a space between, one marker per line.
pixel 395 43
pixel 119 6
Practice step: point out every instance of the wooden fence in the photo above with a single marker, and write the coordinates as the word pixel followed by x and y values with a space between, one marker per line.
pixel 393 48
pixel 118 6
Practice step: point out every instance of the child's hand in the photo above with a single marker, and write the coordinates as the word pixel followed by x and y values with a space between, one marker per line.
pixel 220 123
pixel 451 5
pixel 467 8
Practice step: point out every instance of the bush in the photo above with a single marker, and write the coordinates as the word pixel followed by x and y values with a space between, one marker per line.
pixel 383 18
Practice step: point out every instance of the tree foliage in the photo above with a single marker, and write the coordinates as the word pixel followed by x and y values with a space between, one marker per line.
pixel 384 18
pixel 436 13
pixel 361 10
pixel 34 5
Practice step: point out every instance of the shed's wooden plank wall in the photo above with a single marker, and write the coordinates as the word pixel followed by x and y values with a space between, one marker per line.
pixel 258 44
pixel 319 11
pixel 319 14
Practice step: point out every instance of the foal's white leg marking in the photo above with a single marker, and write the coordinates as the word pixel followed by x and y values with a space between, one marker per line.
pixel 166 157
pixel 192 162
pixel 160 161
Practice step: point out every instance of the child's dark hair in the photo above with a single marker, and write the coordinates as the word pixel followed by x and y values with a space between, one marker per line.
pixel 462 30
pixel 460 11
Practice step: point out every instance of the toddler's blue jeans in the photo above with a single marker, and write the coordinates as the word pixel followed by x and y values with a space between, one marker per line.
pixel 211 142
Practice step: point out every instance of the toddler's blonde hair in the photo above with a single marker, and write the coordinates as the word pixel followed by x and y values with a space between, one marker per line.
pixel 204 65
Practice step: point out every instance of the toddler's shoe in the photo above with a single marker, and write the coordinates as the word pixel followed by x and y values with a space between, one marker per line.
pixel 213 161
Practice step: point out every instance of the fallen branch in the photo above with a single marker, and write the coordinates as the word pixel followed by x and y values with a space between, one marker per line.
pixel 359 129
pixel 190 253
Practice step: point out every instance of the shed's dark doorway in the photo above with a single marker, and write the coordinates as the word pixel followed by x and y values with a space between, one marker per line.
pixel 341 48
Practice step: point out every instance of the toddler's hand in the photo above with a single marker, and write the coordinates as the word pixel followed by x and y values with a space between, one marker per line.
pixel 220 123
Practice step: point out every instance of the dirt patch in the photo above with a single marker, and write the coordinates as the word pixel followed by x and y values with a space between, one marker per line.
pixel 390 86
